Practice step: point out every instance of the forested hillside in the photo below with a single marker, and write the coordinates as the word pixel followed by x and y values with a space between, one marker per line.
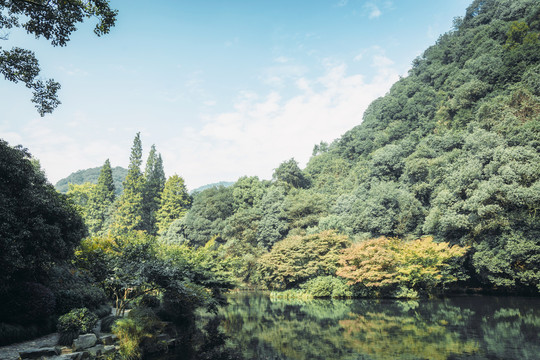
pixel 91 176
pixel 451 151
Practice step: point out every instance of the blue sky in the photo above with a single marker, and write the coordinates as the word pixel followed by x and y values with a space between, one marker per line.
pixel 222 88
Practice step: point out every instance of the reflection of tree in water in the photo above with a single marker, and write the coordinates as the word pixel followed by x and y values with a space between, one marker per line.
pixel 513 333
pixel 389 337
pixel 286 329
pixel 482 327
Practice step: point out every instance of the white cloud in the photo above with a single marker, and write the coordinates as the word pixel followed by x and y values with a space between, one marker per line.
pixel 382 61
pixel 374 11
pixel 260 130
pixel 60 152
pixel 263 131
pixel 281 59
pixel 277 76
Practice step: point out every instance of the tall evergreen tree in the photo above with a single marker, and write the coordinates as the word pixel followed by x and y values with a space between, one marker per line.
pixel 101 199
pixel 154 183
pixel 175 202
pixel 130 212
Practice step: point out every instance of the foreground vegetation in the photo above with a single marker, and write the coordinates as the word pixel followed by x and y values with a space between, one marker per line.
pixel 438 189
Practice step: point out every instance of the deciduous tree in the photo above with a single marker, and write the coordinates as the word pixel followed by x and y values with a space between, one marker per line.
pixel 55 20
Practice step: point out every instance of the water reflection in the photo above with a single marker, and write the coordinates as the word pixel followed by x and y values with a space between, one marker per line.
pixel 456 328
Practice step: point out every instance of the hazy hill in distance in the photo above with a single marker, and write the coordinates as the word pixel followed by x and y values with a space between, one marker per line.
pixel 91 176
pixel 218 184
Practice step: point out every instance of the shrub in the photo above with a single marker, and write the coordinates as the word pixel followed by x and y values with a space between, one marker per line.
pixel 137 333
pixel 28 303
pixel 108 322
pixel 298 258
pixel 74 289
pixel 393 267
pixel 10 333
pixel 179 306
pixel 149 301
pixel 102 311
pixel 88 296
pixel 75 322
pixel 327 286
pixel 130 335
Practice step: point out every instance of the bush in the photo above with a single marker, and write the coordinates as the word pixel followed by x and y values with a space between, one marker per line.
pixel 393 267
pixel 28 303
pixel 137 333
pixel 75 322
pixel 88 296
pixel 149 301
pixel 102 311
pixel 108 322
pixel 74 289
pixel 327 286
pixel 10 333
pixel 179 306
pixel 130 334
pixel 297 259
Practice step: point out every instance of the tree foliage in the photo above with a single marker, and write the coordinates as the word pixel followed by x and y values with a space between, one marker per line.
pixel 100 201
pixel 55 21
pixel 130 212
pixel 175 202
pixel 297 259
pixel 384 264
pixel 38 226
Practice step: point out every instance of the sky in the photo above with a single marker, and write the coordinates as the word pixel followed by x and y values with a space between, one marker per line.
pixel 223 88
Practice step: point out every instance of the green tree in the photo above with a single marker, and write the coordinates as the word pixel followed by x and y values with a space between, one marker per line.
pixel 289 173
pixel 54 20
pixel 38 226
pixel 130 211
pixel 154 182
pixel 247 192
pixel 304 208
pixel 297 259
pixel 175 202
pixel 273 225
pixel 100 201
pixel 206 218
pixel 80 195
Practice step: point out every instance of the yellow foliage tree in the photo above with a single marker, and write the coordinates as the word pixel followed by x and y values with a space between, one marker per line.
pixel 387 263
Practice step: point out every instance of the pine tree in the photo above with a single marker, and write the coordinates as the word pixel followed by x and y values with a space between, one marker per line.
pixel 100 201
pixel 175 202
pixel 130 212
pixel 154 182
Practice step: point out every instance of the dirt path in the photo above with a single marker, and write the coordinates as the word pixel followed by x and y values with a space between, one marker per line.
pixel 11 352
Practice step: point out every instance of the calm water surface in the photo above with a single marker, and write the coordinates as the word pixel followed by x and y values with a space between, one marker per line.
pixel 480 327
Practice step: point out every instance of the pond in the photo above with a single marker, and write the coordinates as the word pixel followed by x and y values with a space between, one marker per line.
pixel 480 327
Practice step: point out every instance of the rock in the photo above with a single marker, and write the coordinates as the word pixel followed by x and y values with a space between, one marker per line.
pixel 163 337
pixel 84 341
pixel 108 349
pixel 171 343
pixel 81 355
pixel 95 350
pixel 38 353
pixel 106 340
pixel 65 350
